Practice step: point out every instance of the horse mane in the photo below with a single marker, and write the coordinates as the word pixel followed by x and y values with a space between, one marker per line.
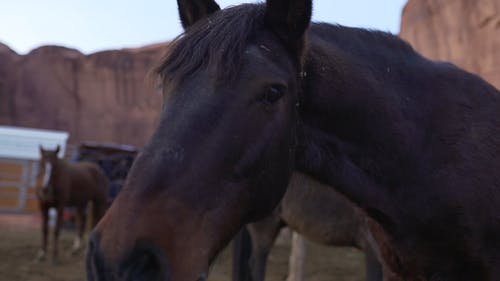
pixel 356 37
pixel 218 42
pixel 374 47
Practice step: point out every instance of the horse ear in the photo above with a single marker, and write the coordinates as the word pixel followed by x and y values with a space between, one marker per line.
pixel 190 11
pixel 289 19
pixel 40 148
pixel 58 148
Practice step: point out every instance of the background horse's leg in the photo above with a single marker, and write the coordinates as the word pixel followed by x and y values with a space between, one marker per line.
pixel 57 229
pixel 44 211
pixel 263 235
pixel 242 249
pixel 375 269
pixel 373 266
pixel 81 218
pixel 297 258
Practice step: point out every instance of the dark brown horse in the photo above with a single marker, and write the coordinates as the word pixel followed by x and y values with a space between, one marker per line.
pixel 255 91
pixel 318 213
pixel 69 185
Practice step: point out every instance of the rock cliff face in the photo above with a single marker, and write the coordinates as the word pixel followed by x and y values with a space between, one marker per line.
pixel 8 60
pixel 106 96
pixel 464 32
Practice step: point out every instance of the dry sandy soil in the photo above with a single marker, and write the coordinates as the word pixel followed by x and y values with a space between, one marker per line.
pixel 19 242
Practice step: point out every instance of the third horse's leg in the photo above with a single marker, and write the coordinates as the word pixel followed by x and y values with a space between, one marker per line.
pixel 57 229
pixel 373 266
pixel 263 235
pixel 242 250
pixel 81 219
pixel 44 210
pixel 297 258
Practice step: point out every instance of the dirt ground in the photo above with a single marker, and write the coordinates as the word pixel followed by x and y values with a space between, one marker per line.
pixel 20 236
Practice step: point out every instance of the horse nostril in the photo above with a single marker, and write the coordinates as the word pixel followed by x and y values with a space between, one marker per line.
pixel 145 263
pixel 145 267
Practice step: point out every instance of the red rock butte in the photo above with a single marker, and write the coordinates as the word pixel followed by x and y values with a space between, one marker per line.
pixel 464 32
pixel 109 97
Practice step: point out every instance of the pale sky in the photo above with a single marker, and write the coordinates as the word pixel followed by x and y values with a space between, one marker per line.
pixel 94 25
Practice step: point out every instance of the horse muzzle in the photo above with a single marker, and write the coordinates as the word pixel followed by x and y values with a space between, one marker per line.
pixel 144 262
pixel 46 194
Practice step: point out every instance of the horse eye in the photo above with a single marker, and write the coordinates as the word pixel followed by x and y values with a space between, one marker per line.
pixel 272 94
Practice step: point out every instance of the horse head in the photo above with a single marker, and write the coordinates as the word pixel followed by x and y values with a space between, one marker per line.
pixel 48 161
pixel 223 151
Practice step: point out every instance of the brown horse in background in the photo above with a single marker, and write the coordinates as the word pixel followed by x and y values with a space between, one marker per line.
pixel 318 213
pixel 69 185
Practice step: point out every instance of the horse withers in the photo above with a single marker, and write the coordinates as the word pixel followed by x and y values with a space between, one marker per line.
pixel 255 91
pixel 66 184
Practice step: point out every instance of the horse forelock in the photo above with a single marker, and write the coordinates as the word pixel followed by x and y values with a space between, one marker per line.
pixel 218 42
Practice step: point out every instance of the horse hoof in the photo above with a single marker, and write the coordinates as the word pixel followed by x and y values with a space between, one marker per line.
pixel 77 245
pixel 40 256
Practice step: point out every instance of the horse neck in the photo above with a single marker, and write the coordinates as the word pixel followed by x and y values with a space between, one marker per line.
pixel 58 169
pixel 352 132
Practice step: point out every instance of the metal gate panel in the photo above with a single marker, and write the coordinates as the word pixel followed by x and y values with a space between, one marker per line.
pixel 17 183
